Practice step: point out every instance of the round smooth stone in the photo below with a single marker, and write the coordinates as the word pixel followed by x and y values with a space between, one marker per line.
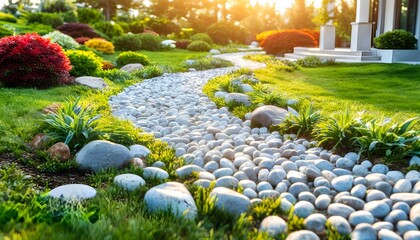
pixel 405 226
pixel 359 170
pixel 384 187
pixel 373 195
pixel 289 197
pixel 273 225
pixel 351 201
pixel 402 206
pixel 222 172
pixel 289 165
pixel 361 217
pixel 268 194
pixel 359 191
pixel 395 216
pixel 364 231
pixel 315 222
pixel 412 235
pixel 203 183
pixel 294 177
pixel 264 186
pixel 285 206
pixel 281 187
pixel 380 168
pixel 345 163
pixel 206 176
pixel 129 181
pixel 302 235
pixel 402 186
pixel 322 190
pixel 415 214
pixel 227 182
pixel 240 176
pixel 297 188
pixel 276 176
pixel 73 192
pixel 303 209
pixel 342 183
pixel 211 166
pixel 359 180
pixel 250 193
pixel 383 225
pixel 322 202
pixel 339 209
pixel 378 209
pixel 154 172
pixel 307 196
pixel 340 223
pixel 386 234
pixel 248 184
pixel 409 198
pixel 394 176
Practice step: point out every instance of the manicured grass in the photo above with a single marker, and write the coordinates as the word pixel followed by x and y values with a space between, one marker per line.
pixel 392 90
pixel 174 58
pixel 20 112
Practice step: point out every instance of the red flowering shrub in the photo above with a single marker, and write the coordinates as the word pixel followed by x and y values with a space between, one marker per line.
pixel 284 41
pixel 32 61
pixel 182 44
pixel 82 40
pixel 78 30
pixel 313 33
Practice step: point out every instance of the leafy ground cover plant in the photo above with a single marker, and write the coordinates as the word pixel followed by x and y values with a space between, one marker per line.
pixel 147 72
pixel 114 75
pixel 301 123
pixel 32 61
pixel 127 42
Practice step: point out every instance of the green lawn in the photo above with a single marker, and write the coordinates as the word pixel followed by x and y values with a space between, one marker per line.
pixel 174 58
pixel 392 90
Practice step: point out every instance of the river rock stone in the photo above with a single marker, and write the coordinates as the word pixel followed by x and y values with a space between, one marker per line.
pixel 302 235
pixel 386 234
pixel 129 181
pixel 265 116
pixel 415 214
pixel 60 151
pixel 139 151
pixel 339 209
pixel 361 217
pixel 71 192
pixel 131 67
pixel 273 225
pixel 342 183
pixel 364 231
pixel 154 172
pixel 101 155
pixel 378 209
pixel 340 223
pixel 171 196
pixel 230 201
pixel 238 98
pixel 315 222
pixel 410 198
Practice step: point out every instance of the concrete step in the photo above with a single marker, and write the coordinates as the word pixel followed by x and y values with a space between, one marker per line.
pixel 300 55
pixel 337 51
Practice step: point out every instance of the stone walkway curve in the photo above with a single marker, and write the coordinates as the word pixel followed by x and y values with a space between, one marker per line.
pixel 355 196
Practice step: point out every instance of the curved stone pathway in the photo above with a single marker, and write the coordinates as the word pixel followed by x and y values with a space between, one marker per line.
pixel 352 194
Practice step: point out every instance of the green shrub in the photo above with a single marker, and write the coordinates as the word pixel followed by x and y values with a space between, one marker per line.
pixel 51 19
pixel 89 15
pixel 204 63
pixel 125 58
pixel 284 41
pixel 268 98
pixel 150 42
pixel 65 41
pixel 202 37
pixel 100 45
pixel 5 32
pixel 397 39
pixel 7 17
pixel 69 16
pixel 109 29
pixel 147 72
pixel 84 63
pixel 220 32
pixel 56 6
pixel 199 46
pixel 311 61
pixel 127 42
pixel 114 75
pixel 302 123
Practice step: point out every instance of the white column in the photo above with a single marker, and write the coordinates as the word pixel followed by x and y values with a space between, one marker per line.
pixel 389 22
pixel 361 30
pixel 327 33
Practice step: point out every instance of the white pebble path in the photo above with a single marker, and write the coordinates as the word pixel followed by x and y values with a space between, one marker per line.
pixel 174 108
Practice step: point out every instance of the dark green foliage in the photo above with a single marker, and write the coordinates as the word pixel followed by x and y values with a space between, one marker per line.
pixel 199 46
pixel 164 26
pixel 56 6
pixel 69 16
pixel 84 63
pixel 219 32
pixel 89 15
pixel 202 37
pixel 109 29
pixel 301 123
pixel 127 42
pixel 150 42
pixel 390 140
pixel 5 32
pixel 114 75
pixel 7 17
pixel 52 19
pixel 396 39
pixel 131 57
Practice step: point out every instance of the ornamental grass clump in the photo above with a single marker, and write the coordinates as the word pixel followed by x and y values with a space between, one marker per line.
pixel 65 41
pixel 30 60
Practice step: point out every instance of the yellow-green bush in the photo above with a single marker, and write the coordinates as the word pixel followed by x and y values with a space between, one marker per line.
pixel 101 45
pixel 84 63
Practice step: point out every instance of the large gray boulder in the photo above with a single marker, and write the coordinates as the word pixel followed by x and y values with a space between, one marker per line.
pixel 230 201
pixel 73 192
pixel 268 115
pixel 171 196
pixel 131 67
pixel 100 155
pixel 92 82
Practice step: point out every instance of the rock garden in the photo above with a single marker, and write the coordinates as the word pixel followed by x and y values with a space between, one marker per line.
pixel 108 134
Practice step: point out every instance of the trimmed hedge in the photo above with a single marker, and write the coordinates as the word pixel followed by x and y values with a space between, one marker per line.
pixel 397 39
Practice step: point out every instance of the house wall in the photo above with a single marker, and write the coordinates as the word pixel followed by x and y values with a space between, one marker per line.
pixel 389 18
